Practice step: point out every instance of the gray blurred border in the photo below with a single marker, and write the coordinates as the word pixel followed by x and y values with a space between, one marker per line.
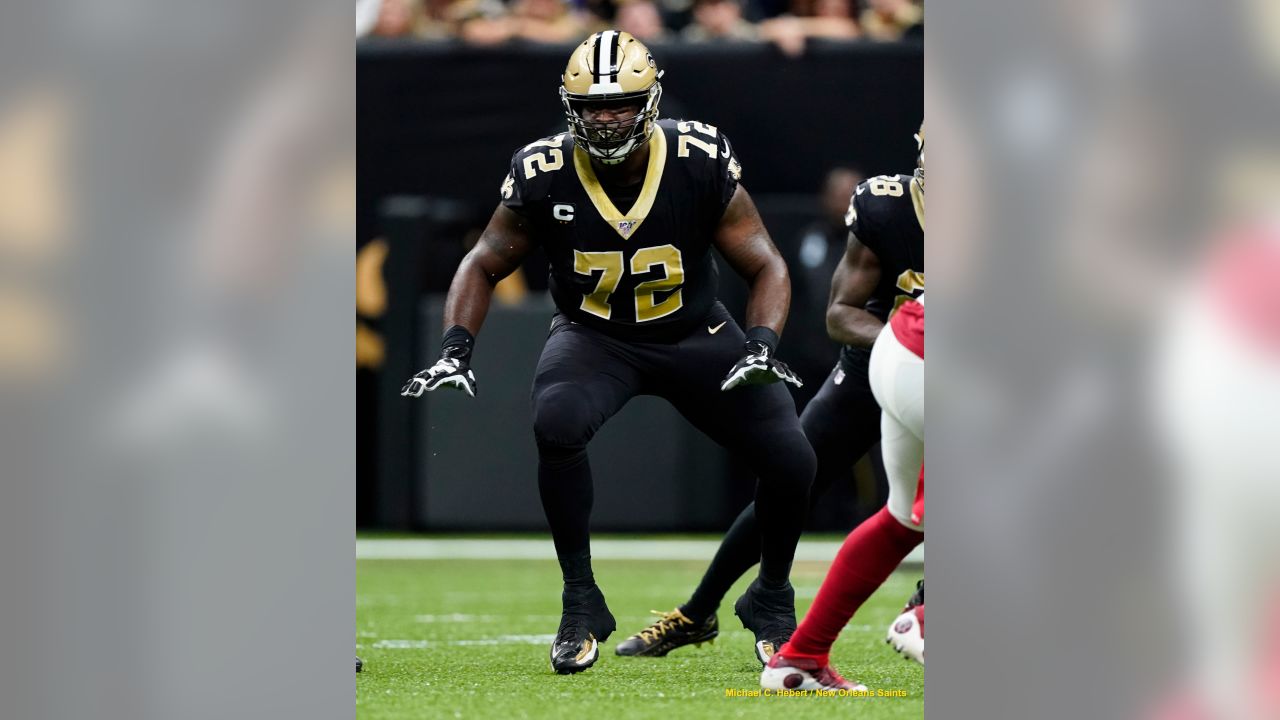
pixel 176 402
pixel 1089 163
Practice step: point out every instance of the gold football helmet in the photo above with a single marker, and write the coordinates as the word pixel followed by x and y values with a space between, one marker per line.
pixel 611 68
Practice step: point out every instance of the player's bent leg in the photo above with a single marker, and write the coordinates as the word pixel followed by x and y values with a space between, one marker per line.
pixel 769 438
pixel 775 448
pixel 903 454
pixel 842 423
pixel 562 427
pixel 876 547
pixel 897 379
pixel 784 465
pixel 577 387
pixel 866 559
pixel 758 424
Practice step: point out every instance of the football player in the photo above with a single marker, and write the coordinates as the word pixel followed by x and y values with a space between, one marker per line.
pixel 875 548
pixel 627 208
pixel 882 267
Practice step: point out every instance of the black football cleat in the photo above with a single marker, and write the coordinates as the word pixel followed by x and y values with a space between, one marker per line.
pixel 359 664
pixel 770 614
pixel 672 630
pixel 585 623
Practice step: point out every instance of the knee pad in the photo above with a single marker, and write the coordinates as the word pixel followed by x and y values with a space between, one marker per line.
pixel 563 419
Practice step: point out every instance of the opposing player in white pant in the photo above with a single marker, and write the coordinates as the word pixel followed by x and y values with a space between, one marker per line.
pixel 876 547
pixel 897 380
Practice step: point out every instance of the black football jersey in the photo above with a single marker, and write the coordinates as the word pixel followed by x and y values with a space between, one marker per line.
pixel 635 262
pixel 886 214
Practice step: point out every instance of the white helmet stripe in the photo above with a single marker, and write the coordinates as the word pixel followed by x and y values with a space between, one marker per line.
pixel 604 48
pixel 595 61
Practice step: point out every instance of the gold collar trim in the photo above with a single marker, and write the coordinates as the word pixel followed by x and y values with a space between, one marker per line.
pixel 625 225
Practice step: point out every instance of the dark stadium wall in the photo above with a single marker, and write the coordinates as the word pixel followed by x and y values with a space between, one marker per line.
pixel 444 119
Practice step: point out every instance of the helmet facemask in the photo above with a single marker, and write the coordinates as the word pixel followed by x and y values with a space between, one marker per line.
pixel 614 141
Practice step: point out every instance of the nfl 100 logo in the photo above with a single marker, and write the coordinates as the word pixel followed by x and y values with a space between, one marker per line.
pixel 626 226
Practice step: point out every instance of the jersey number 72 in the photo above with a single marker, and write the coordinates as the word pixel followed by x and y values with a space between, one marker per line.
pixel 610 266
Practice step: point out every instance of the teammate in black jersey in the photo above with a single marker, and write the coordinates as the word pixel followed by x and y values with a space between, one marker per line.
pixel 638 315
pixel 882 266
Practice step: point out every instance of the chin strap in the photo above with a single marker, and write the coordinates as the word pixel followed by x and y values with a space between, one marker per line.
pixel 618 157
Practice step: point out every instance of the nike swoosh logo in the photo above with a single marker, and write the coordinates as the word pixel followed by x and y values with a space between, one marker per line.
pixel 860 190
pixel 716 329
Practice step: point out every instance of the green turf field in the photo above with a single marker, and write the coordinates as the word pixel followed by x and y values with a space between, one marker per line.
pixel 470 638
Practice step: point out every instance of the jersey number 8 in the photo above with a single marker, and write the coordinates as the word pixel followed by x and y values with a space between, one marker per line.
pixel 885 185
pixel 610 266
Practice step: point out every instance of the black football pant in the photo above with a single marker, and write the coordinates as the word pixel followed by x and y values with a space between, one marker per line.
pixel 585 376
pixel 842 423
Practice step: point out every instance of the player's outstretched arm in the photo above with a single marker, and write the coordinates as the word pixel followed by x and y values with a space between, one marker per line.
pixel 499 252
pixel 852 284
pixel 746 245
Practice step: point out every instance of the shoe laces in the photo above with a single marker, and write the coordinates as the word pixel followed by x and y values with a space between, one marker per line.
pixel 667 621
pixel 572 630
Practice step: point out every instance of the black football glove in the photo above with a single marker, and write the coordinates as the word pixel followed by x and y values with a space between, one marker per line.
pixel 758 366
pixel 452 370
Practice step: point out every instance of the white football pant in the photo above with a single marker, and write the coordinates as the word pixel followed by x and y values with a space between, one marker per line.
pixel 897 381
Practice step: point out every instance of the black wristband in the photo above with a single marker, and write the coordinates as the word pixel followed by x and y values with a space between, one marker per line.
pixel 458 337
pixel 764 336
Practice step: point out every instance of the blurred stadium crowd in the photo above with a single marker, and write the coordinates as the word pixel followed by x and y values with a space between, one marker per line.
pixel 786 23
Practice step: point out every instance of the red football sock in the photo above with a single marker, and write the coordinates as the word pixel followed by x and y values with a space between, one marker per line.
pixel 871 552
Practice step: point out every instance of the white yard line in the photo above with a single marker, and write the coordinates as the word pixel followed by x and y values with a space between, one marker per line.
pixel 402 644
pixel 428 549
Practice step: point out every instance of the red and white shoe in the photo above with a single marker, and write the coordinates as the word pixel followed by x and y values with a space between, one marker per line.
pixel 798 673
pixel 906 634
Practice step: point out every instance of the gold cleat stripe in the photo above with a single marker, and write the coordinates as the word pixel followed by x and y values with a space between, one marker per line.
pixel 587 648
